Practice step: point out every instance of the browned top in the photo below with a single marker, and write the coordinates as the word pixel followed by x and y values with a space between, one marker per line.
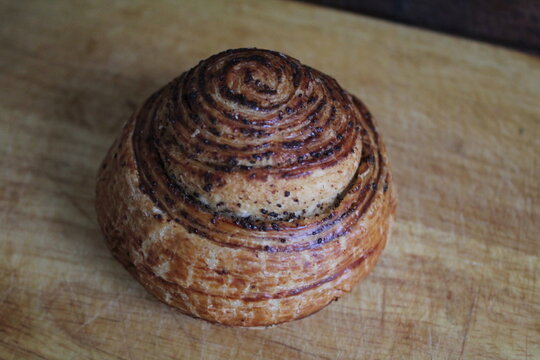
pixel 248 116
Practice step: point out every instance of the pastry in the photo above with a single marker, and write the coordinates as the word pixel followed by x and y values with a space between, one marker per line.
pixel 250 191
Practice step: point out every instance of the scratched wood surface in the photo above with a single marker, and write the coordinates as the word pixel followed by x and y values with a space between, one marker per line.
pixel 459 278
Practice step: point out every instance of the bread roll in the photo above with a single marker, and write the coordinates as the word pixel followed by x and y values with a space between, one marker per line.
pixel 250 191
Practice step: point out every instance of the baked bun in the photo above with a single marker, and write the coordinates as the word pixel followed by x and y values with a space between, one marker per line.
pixel 250 191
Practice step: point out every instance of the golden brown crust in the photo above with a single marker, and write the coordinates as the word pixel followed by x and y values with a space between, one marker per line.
pixel 250 191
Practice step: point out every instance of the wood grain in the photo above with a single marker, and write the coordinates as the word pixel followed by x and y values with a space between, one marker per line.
pixel 461 120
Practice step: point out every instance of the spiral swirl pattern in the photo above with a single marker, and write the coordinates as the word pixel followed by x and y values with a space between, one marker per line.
pixel 262 187
pixel 254 121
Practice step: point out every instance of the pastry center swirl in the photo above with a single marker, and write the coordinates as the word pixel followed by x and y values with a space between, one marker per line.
pixel 253 133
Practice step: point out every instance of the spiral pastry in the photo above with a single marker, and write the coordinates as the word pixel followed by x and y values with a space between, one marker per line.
pixel 250 191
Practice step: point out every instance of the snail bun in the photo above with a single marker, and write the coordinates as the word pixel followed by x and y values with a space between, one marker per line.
pixel 250 191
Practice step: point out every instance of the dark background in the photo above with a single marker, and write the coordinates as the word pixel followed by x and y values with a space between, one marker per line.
pixel 511 23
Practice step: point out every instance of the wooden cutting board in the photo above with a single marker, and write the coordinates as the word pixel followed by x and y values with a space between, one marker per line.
pixel 461 120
